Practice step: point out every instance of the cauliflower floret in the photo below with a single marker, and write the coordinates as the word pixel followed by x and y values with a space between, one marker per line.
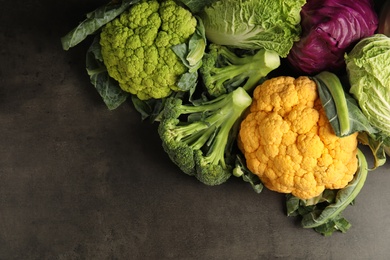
pixel 289 143
pixel 136 47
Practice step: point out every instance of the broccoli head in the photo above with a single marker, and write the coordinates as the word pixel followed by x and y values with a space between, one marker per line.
pixel 137 47
pixel 223 70
pixel 198 137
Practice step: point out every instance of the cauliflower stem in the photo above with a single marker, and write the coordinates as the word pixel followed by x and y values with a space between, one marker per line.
pixel 197 137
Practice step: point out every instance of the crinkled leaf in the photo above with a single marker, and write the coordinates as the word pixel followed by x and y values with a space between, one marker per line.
pixel 108 88
pixel 94 21
pixel 368 73
pixel 254 25
pixel 358 120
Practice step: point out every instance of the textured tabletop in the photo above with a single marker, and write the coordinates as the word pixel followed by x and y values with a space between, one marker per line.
pixel 78 181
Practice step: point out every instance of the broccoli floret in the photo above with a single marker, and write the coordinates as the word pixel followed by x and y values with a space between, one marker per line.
pixel 223 70
pixel 197 137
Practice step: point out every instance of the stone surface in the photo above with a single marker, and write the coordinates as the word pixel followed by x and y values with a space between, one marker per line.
pixel 78 181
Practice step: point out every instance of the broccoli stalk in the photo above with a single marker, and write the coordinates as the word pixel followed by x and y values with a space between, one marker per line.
pixel 198 137
pixel 223 70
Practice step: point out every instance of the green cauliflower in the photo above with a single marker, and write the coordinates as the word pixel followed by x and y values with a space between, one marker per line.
pixel 137 47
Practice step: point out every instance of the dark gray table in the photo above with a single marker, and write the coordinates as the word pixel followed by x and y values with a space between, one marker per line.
pixel 80 182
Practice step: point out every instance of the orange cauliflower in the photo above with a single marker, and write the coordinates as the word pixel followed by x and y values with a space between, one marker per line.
pixel 289 143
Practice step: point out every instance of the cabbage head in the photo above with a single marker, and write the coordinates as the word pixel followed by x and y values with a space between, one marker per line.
pixel 329 29
pixel 368 68
pixel 253 24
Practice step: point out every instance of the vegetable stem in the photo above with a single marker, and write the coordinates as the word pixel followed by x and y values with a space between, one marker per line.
pixel 333 84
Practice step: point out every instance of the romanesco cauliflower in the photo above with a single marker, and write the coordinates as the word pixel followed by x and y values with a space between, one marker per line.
pixel 136 47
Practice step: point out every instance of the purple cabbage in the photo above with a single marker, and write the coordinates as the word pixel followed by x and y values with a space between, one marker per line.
pixel 329 29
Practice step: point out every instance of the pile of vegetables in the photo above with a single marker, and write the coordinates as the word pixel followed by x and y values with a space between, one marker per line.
pixel 281 94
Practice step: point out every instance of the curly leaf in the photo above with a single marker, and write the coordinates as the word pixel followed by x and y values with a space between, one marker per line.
pixel 358 121
pixel 107 87
pixel 93 22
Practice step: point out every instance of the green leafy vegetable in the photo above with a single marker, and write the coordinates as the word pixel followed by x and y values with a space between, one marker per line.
pixel 108 88
pixel 368 68
pixel 252 24
pixel 94 21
